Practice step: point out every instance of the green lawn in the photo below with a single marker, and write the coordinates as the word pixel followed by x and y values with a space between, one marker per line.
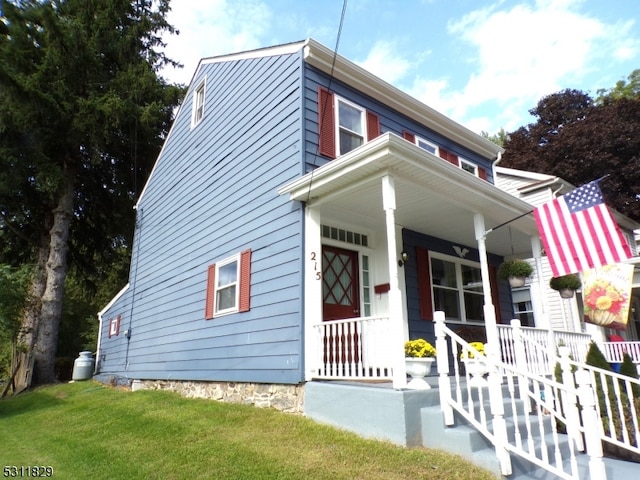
pixel 86 430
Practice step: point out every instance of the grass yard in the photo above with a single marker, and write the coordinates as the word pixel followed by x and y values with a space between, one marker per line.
pixel 86 430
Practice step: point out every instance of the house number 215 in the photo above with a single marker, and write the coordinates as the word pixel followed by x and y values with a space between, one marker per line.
pixel 315 266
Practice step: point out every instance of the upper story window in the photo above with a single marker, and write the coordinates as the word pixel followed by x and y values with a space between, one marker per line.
pixel 198 105
pixel 467 166
pixel 427 145
pixel 351 125
pixel 450 157
pixel 343 125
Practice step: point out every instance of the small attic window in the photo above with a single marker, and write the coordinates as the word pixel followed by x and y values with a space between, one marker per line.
pixel 198 105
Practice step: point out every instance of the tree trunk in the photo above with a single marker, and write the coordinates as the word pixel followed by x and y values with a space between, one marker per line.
pixel 51 312
pixel 31 317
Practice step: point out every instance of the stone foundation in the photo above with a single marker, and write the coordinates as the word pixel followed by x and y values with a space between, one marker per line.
pixel 286 398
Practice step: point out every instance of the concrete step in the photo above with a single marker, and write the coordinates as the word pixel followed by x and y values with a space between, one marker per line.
pixel 466 441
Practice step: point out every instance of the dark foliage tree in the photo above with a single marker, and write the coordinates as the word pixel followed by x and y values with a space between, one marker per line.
pixel 578 140
pixel 83 113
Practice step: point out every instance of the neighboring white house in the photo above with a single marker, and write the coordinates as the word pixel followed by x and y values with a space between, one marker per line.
pixel 536 304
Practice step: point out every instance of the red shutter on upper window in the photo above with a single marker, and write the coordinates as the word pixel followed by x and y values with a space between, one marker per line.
pixel 409 136
pixel 495 296
pixel 211 283
pixel 326 123
pixel 424 284
pixel 449 157
pixel 245 281
pixel 373 126
pixel 482 173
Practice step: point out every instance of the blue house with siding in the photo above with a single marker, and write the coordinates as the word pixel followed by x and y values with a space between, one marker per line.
pixel 303 219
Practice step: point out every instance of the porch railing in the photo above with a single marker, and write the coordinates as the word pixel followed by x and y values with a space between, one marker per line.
pixel 547 413
pixel 539 346
pixel 354 348
pixel 614 351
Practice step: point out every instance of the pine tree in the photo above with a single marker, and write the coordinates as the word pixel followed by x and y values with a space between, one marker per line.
pixel 83 114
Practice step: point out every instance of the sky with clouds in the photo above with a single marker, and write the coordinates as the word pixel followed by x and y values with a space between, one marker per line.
pixel 484 63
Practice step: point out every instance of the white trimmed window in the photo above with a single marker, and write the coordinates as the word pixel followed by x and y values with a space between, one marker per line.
pixel 467 166
pixel 114 326
pixel 343 125
pixel 351 125
pixel 198 104
pixel 427 145
pixel 522 306
pixel 457 288
pixel 228 285
pixel 227 276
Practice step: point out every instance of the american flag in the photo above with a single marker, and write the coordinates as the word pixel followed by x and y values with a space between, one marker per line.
pixel 579 233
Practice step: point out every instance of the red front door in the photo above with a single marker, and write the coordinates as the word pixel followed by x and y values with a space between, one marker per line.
pixel 340 288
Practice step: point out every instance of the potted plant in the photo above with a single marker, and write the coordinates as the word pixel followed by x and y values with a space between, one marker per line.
pixel 474 364
pixel 515 270
pixel 566 285
pixel 419 357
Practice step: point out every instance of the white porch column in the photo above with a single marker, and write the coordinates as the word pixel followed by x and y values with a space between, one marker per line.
pixel 545 321
pixel 312 267
pixel 489 308
pixel 395 297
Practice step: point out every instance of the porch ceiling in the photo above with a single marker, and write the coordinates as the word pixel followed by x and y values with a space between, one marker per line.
pixel 432 196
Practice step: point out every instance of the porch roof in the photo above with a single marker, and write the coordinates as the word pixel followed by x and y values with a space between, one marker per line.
pixel 432 196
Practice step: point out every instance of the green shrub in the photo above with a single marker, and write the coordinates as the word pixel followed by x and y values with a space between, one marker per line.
pixel 595 358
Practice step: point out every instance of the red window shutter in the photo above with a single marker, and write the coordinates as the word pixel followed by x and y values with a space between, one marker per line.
pixel 245 281
pixel 495 296
pixel 424 284
pixel 409 136
pixel 449 157
pixel 373 126
pixel 326 124
pixel 211 282
pixel 482 173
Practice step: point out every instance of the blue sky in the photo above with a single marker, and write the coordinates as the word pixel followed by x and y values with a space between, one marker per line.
pixel 484 63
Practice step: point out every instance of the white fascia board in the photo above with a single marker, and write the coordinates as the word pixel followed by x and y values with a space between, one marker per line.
pixel 348 72
pixel 113 300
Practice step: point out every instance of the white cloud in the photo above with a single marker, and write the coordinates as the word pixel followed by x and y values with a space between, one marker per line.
pixel 385 62
pixel 522 53
pixel 212 27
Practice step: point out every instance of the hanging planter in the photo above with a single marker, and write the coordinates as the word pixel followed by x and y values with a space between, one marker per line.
pixel 566 285
pixel 515 271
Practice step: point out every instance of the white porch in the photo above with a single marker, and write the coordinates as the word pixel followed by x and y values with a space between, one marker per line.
pixel 378 190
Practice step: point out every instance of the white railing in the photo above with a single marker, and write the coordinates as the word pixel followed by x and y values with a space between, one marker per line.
pixel 618 403
pixel 354 348
pixel 614 351
pixel 539 346
pixel 552 419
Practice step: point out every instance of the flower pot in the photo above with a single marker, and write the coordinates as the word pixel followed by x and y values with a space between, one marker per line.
pixel 418 368
pixel 602 317
pixel 566 292
pixel 477 369
pixel 516 282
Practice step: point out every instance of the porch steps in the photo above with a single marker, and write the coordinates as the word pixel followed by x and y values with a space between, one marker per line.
pixel 464 440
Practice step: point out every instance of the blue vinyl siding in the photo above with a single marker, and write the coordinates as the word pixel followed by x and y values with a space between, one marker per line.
pixel 213 193
pixel 425 328
pixel 390 121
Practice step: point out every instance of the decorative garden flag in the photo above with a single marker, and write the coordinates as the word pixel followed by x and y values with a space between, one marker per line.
pixel 579 233
pixel 606 292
